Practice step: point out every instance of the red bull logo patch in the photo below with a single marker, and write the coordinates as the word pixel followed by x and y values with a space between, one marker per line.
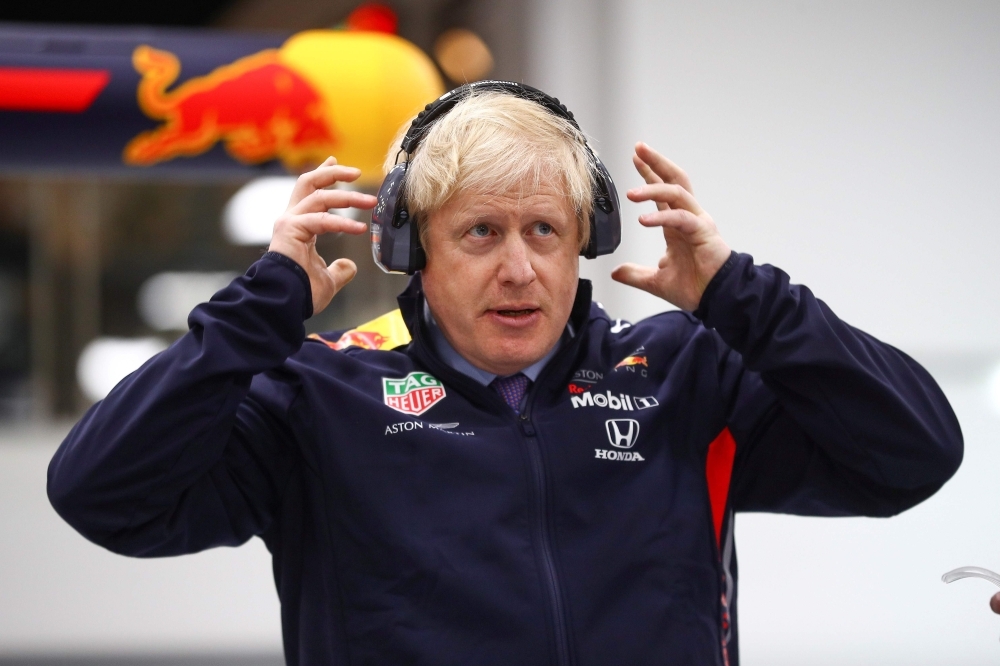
pixel 632 360
pixel 385 332
pixel 363 339
pixel 413 394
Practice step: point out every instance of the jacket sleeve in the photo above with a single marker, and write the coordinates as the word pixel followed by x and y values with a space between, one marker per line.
pixel 181 455
pixel 827 420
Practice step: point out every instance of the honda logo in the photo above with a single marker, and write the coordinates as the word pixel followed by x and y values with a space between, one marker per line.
pixel 622 433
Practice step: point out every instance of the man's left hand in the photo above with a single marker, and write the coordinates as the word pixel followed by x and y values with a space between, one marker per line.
pixel 695 249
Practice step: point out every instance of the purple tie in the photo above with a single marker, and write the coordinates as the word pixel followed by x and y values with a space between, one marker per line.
pixel 512 389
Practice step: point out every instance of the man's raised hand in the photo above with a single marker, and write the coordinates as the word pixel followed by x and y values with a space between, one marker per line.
pixel 695 249
pixel 308 216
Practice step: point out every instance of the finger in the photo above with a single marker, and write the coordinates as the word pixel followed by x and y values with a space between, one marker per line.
pixel 645 170
pixel 664 168
pixel 649 176
pixel 321 200
pixel 320 177
pixel 325 176
pixel 306 167
pixel 995 603
pixel 303 227
pixel 634 275
pixel 674 195
pixel 342 271
pixel 678 219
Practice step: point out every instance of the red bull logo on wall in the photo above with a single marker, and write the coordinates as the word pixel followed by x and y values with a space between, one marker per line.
pixel 258 108
pixel 322 93
pixel 218 104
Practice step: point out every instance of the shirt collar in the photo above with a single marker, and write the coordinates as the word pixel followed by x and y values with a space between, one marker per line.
pixel 456 361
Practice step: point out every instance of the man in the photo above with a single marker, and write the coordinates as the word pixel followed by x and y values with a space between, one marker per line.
pixel 525 481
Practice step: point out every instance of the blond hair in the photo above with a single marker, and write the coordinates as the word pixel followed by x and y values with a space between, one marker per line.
pixel 495 143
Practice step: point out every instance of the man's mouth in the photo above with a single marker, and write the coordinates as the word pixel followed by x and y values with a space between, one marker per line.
pixel 519 316
pixel 517 313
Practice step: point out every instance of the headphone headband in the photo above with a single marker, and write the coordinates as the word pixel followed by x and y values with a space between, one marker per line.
pixel 395 242
pixel 447 101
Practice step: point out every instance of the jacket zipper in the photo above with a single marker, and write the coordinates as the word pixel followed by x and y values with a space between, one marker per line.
pixel 544 537
pixel 543 530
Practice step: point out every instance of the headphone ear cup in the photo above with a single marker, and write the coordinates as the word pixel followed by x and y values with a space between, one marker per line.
pixel 391 229
pixel 605 216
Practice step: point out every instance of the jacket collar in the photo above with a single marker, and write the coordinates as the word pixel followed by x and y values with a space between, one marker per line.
pixel 411 303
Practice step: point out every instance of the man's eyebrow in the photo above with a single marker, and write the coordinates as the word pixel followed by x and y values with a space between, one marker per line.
pixel 487 208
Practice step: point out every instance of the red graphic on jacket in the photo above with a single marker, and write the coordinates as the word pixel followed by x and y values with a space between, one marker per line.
pixel 632 360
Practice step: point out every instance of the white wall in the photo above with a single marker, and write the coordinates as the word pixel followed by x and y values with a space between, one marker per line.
pixel 856 146
pixel 866 592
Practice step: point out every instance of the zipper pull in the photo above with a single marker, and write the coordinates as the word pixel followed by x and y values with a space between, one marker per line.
pixel 526 426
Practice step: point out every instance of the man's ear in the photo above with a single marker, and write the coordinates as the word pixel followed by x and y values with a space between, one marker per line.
pixel 422 234
pixel 583 233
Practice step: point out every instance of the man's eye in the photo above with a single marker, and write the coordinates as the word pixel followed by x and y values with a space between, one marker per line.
pixel 480 231
pixel 544 229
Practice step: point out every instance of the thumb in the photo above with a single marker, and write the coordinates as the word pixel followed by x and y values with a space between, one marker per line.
pixel 995 603
pixel 342 271
pixel 634 275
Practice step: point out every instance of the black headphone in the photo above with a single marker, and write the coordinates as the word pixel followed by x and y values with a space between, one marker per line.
pixel 395 241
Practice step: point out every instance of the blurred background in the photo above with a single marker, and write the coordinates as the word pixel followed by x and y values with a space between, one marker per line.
pixel 853 144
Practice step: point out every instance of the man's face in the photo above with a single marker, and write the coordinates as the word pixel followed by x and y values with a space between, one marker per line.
pixel 501 275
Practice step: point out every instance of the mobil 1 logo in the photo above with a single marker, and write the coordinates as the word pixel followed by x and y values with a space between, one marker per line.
pixel 617 402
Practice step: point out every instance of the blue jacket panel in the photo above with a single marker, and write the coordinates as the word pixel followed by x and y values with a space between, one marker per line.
pixel 414 518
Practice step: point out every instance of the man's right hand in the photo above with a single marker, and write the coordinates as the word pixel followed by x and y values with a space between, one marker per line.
pixel 308 216
pixel 995 603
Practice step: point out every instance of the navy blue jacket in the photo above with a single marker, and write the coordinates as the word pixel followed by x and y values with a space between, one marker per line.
pixel 414 518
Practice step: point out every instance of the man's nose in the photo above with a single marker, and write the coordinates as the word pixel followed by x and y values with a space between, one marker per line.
pixel 515 263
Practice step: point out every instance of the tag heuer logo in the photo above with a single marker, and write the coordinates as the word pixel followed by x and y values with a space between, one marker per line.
pixel 413 394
